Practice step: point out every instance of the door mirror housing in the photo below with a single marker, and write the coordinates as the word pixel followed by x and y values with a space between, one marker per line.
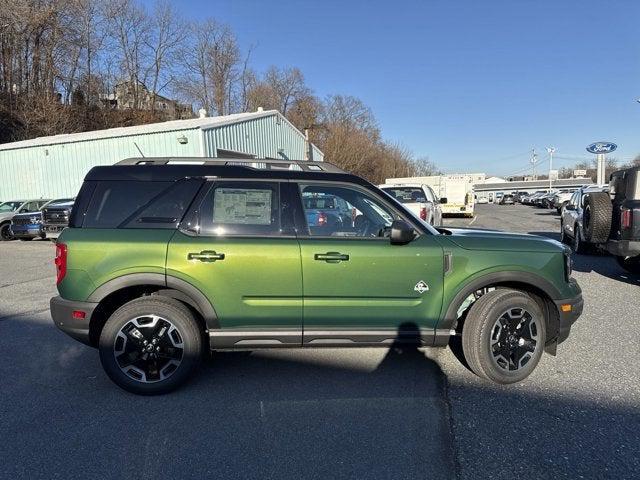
pixel 570 207
pixel 401 233
pixel 443 200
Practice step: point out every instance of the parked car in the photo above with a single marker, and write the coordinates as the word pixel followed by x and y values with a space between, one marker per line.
pixel 162 262
pixel 507 199
pixel 573 229
pixel 56 217
pixel 9 209
pixel 561 198
pixel 482 200
pixel 28 225
pixel 420 199
pixel 608 218
pixel 327 212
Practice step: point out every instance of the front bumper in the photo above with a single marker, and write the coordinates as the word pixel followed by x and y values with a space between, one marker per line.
pixel 62 315
pixel 623 248
pixel 569 310
pixel 26 231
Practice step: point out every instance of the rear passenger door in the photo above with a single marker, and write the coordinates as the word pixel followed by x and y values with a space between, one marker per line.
pixel 238 247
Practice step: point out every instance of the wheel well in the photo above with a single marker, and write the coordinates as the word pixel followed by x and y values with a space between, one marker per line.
pixel 115 300
pixel 549 310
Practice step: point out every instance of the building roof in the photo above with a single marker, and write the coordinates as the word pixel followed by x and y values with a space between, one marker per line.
pixel 169 126
pixel 540 184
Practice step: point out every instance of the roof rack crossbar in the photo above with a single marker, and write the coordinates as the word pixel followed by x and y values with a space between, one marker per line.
pixel 252 163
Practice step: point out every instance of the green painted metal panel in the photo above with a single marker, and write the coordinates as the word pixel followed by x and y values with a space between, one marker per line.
pixel 58 170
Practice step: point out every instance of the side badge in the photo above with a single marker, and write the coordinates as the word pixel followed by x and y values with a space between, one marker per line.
pixel 421 287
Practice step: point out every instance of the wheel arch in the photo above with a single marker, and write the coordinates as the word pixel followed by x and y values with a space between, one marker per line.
pixel 542 291
pixel 118 291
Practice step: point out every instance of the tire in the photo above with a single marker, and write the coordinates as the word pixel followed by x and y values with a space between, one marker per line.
pixel 596 217
pixel 563 235
pixel 503 336
pixel 578 246
pixel 630 264
pixel 5 232
pixel 181 342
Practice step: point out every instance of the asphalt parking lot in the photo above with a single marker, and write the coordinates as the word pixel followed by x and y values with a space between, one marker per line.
pixel 359 413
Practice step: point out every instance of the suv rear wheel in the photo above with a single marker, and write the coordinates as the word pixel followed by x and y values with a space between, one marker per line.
pixel 150 345
pixel 503 336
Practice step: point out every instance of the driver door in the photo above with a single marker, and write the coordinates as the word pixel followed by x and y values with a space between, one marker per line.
pixel 355 280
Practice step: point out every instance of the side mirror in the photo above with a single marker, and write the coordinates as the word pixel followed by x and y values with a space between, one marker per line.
pixel 401 233
pixel 570 207
pixel 443 200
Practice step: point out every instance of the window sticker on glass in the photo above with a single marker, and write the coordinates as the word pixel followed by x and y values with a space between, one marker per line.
pixel 242 206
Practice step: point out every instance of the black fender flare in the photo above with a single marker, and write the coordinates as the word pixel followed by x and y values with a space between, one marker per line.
pixel 184 291
pixel 516 277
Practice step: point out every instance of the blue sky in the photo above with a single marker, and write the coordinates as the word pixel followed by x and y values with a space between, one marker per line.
pixel 473 85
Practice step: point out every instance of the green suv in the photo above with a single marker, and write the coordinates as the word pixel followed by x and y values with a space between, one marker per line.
pixel 166 259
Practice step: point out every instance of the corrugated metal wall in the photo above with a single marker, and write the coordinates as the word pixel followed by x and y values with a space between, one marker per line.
pixel 263 137
pixel 58 170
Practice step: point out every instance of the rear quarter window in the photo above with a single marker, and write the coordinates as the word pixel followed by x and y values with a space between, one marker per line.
pixel 114 202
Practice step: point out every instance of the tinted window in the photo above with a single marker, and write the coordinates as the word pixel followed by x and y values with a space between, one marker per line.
pixel 406 194
pixel 365 215
pixel 167 209
pixel 113 202
pixel 241 208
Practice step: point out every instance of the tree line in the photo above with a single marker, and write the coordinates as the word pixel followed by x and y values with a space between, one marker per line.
pixel 58 59
pixel 611 165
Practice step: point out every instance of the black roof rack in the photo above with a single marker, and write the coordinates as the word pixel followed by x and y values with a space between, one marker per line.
pixel 252 163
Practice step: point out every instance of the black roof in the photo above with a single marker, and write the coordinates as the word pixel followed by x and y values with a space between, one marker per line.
pixel 175 168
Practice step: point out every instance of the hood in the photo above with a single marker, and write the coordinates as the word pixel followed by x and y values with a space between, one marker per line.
pixel 28 214
pixel 59 206
pixel 6 216
pixel 477 239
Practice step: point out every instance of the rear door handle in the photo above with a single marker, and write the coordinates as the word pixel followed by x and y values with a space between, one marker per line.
pixel 331 257
pixel 206 256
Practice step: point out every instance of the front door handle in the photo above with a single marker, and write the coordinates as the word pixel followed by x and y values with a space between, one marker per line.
pixel 331 257
pixel 206 256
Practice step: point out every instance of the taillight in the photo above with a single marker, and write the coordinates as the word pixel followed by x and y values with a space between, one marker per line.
pixel 322 219
pixel 625 218
pixel 423 213
pixel 60 262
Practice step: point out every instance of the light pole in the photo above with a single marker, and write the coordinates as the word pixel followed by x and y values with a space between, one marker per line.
pixel 534 160
pixel 550 151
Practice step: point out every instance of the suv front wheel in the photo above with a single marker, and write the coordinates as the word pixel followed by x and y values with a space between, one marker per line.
pixel 503 336
pixel 150 345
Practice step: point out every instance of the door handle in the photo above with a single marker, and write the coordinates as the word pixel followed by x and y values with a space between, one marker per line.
pixel 331 257
pixel 206 256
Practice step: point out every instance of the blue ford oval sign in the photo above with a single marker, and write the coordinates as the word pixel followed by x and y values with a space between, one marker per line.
pixel 601 147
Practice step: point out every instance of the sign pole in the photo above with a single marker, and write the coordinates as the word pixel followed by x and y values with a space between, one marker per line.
pixel 600 175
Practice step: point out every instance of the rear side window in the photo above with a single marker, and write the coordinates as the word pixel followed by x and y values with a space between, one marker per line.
pixel 114 202
pixel 241 208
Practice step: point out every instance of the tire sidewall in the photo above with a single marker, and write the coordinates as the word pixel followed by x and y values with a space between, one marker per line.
pixel 183 321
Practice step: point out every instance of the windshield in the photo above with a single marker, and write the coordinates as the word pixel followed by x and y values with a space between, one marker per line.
pixel 9 206
pixel 406 194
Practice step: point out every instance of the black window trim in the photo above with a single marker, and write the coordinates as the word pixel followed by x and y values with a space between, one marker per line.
pixel 302 229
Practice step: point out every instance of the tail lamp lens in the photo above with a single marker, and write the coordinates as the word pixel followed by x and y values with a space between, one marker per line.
pixel 423 213
pixel 322 219
pixel 625 218
pixel 60 262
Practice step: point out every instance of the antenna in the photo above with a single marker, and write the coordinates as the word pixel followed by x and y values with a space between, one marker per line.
pixel 138 149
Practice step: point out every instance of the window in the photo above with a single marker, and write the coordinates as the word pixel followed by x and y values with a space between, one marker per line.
pixel 113 202
pixel 406 194
pixel 167 209
pixel 336 211
pixel 241 208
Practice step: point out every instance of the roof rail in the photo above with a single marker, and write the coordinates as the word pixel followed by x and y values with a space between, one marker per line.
pixel 252 163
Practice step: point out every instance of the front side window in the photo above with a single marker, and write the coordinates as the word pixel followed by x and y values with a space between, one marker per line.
pixel 241 208
pixel 364 216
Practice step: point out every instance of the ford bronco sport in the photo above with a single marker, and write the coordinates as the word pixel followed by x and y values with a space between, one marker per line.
pixel 165 259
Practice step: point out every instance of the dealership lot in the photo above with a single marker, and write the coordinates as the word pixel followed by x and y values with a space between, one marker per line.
pixel 367 413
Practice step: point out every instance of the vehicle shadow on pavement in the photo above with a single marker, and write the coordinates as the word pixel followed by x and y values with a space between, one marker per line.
pixel 595 261
pixel 304 413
